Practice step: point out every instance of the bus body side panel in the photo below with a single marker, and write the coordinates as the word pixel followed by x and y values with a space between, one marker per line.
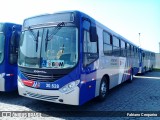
pixel 140 61
pixel 4 65
pixel 117 68
pixel 9 70
pixel 11 78
pixel 88 82
pixel 135 65
pixel 10 74
pixel 87 89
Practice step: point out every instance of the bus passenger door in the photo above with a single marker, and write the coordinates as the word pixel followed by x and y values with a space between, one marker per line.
pixel 90 56
pixel 13 56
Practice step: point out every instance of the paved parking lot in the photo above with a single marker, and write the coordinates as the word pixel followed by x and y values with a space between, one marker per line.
pixel 143 94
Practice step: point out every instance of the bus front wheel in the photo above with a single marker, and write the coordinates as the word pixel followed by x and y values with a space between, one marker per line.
pixel 104 89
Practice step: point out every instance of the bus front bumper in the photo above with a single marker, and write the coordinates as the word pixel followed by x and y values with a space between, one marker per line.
pixel 55 96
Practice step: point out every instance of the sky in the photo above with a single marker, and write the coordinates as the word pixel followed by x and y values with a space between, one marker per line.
pixel 126 17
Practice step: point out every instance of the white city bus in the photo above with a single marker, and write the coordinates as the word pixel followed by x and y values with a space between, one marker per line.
pixel 147 61
pixel 70 58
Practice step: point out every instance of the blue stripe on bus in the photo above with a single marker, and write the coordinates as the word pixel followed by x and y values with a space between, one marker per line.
pixel 87 91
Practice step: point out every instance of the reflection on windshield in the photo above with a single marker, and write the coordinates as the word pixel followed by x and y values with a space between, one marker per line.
pixel 1 47
pixel 54 31
pixel 35 37
pixel 29 53
pixel 60 52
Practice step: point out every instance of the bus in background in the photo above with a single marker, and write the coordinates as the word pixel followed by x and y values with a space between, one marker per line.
pixel 147 61
pixel 9 39
pixel 70 58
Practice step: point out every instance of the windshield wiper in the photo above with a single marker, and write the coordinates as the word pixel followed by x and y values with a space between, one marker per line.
pixel 37 40
pixel 35 36
pixel 46 40
pixel 56 29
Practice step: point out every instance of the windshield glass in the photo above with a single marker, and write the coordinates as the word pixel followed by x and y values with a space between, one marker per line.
pixel 29 54
pixel 52 48
pixel 2 38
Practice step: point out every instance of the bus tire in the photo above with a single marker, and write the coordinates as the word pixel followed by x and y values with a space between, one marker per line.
pixel 103 90
pixel 131 77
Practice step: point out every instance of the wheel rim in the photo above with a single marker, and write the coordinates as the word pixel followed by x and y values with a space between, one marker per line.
pixel 103 89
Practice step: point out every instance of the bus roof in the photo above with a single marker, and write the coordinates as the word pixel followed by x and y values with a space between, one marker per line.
pixel 93 20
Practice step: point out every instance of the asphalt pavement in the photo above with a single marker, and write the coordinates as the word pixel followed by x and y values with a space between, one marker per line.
pixel 130 101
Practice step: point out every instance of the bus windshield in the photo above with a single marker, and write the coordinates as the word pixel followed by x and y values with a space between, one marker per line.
pixel 2 38
pixel 49 47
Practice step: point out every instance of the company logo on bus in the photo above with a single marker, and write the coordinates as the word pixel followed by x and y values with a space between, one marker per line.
pixel 36 85
pixel 38 71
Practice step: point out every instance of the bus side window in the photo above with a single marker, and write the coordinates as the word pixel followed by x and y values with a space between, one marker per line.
pixel 14 43
pixel 137 53
pixel 143 55
pixel 116 46
pixel 107 44
pixel 128 50
pixel 123 49
pixel 132 51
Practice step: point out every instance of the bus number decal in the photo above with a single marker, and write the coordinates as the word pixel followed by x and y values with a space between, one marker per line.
pixel 54 86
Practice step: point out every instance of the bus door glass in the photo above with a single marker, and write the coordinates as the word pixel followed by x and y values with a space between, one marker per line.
pixel 2 40
pixel 90 48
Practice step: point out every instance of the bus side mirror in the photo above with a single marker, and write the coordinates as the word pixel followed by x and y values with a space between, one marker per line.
pixel 93 35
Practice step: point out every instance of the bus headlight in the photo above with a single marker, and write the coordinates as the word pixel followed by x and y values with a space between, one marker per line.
pixel 69 87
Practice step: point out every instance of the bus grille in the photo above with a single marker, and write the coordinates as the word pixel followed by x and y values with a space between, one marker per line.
pixel 42 77
pixel 43 97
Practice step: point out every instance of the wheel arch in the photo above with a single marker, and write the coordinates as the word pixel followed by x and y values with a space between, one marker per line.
pixel 107 79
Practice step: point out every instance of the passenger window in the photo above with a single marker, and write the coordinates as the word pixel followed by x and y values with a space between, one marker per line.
pixel 123 49
pixel 128 50
pixel 107 44
pixel 132 51
pixel 116 46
